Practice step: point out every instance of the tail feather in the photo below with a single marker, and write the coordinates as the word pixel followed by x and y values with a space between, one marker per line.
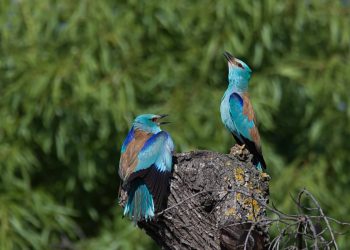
pixel 157 183
pixel 140 203
pixel 259 162
pixel 259 167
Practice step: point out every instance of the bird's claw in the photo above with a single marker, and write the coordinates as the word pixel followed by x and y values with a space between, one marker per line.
pixel 241 148
pixel 237 149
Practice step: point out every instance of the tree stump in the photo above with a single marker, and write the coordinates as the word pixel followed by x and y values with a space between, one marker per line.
pixel 216 201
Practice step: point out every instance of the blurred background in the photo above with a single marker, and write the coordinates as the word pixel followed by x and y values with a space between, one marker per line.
pixel 74 74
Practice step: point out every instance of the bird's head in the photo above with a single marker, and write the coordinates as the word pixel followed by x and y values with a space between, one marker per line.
pixel 239 72
pixel 149 122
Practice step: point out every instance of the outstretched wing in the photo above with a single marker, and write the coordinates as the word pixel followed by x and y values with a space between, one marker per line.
pixel 154 164
pixel 243 117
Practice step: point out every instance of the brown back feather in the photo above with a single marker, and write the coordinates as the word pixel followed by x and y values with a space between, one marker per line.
pixel 248 108
pixel 249 112
pixel 129 160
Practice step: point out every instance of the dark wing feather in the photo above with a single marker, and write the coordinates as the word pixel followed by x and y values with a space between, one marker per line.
pixel 239 142
pixel 157 183
pixel 257 155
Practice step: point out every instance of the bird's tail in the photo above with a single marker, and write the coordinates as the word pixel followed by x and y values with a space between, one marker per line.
pixel 140 203
pixel 259 163
pixel 259 166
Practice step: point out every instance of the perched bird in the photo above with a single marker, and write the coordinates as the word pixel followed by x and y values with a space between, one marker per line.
pixel 237 112
pixel 145 167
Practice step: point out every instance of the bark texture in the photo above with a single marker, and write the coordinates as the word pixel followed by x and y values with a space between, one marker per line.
pixel 216 202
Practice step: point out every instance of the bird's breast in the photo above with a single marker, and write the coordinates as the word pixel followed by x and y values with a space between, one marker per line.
pixel 225 112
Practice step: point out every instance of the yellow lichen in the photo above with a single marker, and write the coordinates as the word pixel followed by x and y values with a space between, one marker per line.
pixel 239 197
pixel 250 217
pixel 255 206
pixel 248 203
pixel 257 191
pixel 230 211
pixel 239 175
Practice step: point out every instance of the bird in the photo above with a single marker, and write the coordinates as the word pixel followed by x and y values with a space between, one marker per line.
pixel 145 167
pixel 237 112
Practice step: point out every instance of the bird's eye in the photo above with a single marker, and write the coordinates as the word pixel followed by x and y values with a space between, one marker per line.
pixel 240 65
pixel 154 119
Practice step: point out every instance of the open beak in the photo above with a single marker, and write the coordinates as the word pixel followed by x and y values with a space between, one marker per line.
pixel 162 116
pixel 229 57
pixel 163 123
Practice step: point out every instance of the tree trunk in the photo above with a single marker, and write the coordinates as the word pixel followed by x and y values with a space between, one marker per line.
pixel 216 201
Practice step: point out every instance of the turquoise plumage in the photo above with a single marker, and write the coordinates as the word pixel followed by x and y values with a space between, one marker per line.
pixel 237 112
pixel 145 167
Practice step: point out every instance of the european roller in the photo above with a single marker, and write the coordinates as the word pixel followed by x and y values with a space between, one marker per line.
pixel 237 112
pixel 145 167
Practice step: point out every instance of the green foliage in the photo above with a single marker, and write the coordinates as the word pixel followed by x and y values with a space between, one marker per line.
pixel 117 234
pixel 73 74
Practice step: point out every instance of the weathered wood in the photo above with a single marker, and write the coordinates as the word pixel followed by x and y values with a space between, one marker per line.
pixel 210 205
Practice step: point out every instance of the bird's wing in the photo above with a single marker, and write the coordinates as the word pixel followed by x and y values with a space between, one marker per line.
pixel 243 117
pixel 131 147
pixel 156 150
pixel 240 120
pixel 128 139
pixel 154 164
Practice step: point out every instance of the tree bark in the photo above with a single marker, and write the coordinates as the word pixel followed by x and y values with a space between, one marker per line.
pixel 216 201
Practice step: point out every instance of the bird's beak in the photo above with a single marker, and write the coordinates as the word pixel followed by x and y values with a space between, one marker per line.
pixel 162 116
pixel 163 123
pixel 229 57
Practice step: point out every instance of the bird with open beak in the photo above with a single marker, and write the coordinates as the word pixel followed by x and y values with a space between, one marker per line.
pixel 145 167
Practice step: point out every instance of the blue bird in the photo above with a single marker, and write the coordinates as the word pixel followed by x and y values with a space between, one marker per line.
pixel 237 112
pixel 145 167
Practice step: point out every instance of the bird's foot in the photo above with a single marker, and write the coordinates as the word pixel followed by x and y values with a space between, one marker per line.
pixel 241 148
pixel 265 176
pixel 122 197
pixel 237 149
